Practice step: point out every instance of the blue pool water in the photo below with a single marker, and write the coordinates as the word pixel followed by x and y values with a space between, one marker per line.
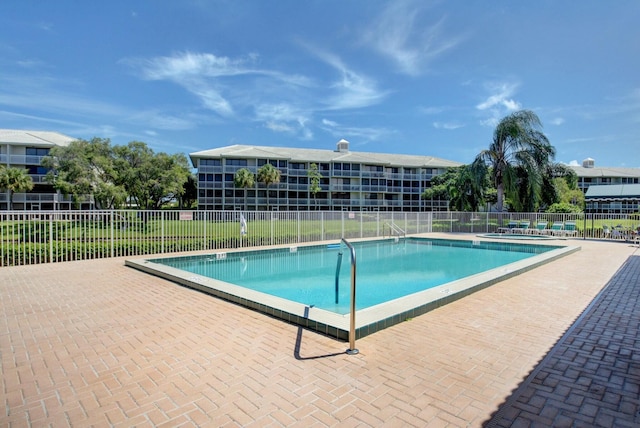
pixel 386 270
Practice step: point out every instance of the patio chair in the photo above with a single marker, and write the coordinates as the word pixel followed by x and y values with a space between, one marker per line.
pixel 541 228
pixel 523 227
pixel 557 228
pixel 570 228
pixel 616 233
pixel 512 225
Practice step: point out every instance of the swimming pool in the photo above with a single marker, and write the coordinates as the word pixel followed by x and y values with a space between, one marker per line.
pixel 396 279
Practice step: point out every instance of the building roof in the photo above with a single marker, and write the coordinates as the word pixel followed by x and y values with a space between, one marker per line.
pixel 318 155
pixel 613 191
pixel 34 138
pixel 596 172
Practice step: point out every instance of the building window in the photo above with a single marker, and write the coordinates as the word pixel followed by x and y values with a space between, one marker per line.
pixel 37 170
pixel 36 151
pixel 235 162
pixel 210 162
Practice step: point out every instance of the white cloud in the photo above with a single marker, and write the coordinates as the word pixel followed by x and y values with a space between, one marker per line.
pixel 284 118
pixel 352 89
pixel 447 125
pixel 500 97
pixel 557 121
pixel 499 103
pixel 365 134
pixel 400 35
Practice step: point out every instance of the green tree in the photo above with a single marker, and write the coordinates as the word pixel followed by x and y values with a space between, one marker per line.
pixel 314 176
pixel 190 192
pixel 244 179
pixel 84 169
pixel 14 180
pixel 151 179
pixel 171 172
pixel 519 148
pixel 460 186
pixel 268 175
pixel 559 184
pixel 568 194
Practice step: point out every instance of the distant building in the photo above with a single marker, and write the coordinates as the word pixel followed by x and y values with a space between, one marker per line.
pixel 613 199
pixel 589 174
pixel 25 149
pixel 608 190
pixel 352 181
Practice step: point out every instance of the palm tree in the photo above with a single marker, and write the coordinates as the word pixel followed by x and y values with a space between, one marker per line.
pixel 314 176
pixel 518 146
pixel 15 180
pixel 243 179
pixel 268 175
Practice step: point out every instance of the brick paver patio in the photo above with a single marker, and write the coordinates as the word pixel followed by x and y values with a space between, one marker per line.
pixel 592 376
pixel 95 343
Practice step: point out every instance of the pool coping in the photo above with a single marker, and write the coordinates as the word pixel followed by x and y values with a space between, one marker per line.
pixel 368 320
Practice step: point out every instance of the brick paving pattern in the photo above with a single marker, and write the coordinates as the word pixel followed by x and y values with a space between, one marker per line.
pixel 592 376
pixel 95 343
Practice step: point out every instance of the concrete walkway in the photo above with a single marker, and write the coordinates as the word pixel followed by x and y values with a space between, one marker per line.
pixel 94 343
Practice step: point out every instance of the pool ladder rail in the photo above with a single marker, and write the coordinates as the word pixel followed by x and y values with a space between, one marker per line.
pixel 394 230
pixel 352 319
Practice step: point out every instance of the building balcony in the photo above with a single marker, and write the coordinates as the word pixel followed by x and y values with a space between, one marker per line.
pixel 37 197
pixel 210 169
pixel 22 159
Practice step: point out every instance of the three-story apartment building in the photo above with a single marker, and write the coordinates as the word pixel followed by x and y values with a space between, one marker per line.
pixel 25 149
pixel 353 181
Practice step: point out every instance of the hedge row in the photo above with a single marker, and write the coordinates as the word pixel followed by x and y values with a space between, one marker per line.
pixel 25 253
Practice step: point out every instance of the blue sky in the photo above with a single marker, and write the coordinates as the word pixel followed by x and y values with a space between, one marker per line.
pixel 415 77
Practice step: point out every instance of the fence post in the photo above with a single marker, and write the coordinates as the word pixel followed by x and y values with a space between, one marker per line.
pixel 50 237
pixel 112 233
pixel 162 231
pixel 204 229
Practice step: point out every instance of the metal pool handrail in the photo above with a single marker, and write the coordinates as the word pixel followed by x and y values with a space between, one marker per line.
pixel 394 228
pixel 352 322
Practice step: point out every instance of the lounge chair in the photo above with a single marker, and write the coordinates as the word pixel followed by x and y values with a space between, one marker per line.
pixel 557 228
pixel 541 228
pixel 523 227
pixel 512 225
pixel 570 228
